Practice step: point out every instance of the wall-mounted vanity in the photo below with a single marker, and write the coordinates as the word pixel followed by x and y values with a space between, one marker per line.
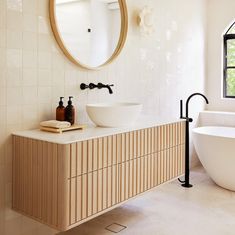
pixel 63 180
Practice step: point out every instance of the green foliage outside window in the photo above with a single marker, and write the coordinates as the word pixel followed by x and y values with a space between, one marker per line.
pixel 230 82
pixel 230 72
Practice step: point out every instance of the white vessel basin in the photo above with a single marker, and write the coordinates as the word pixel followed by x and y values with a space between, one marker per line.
pixel 113 114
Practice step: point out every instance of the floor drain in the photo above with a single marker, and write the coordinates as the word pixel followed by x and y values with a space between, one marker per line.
pixel 115 227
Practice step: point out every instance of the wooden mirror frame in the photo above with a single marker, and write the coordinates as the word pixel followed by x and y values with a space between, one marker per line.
pixel 120 44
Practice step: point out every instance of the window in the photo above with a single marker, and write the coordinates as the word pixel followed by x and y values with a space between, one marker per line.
pixel 229 62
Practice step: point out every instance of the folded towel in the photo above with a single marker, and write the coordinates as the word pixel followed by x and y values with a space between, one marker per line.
pixel 55 124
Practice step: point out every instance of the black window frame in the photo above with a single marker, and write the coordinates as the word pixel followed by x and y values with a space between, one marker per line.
pixel 227 37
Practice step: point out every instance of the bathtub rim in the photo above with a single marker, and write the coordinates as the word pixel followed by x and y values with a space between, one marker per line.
pixel 201 131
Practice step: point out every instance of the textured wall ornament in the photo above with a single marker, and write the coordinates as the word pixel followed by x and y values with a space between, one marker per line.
pixel 146 21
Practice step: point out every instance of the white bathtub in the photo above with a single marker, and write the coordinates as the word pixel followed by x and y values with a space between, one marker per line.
pixel 215 147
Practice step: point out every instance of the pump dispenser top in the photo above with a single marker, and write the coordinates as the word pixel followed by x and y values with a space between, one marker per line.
pixel 61 101
pixel 70 101
pixel 70 111
pixel 60 111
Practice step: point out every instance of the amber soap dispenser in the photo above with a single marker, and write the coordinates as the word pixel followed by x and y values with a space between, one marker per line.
pixel 70 111
pixel 60 111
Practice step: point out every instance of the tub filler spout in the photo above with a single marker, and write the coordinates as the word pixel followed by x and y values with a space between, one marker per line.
pixel 185 182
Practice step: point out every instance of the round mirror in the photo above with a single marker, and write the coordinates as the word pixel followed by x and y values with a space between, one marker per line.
pixel 91 33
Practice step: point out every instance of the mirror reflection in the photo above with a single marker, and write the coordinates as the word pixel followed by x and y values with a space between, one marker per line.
pixel 89 29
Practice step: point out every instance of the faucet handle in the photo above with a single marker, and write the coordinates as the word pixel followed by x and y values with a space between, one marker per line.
pixel 190 119
pixel 83 86
pixel 100 85
pixel 181 108
pixel 92 85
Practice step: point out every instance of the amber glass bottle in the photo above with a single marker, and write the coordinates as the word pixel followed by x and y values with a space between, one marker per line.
pixel 60 111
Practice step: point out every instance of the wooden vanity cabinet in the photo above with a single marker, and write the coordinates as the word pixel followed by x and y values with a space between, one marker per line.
pixel 64 185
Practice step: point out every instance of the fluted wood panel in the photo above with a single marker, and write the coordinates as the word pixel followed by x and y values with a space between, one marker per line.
pixel 65 185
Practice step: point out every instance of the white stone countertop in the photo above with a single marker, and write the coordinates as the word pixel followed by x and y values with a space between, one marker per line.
pixel 91 132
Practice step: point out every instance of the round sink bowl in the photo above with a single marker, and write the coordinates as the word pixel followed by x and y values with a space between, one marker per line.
pixel 113 114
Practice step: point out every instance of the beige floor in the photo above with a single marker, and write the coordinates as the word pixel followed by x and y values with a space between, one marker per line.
pixel 170 209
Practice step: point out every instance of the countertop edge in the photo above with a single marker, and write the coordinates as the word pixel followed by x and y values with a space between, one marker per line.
pixel 92 132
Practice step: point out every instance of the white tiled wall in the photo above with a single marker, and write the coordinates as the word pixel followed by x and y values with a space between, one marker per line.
pixel 157 71
pixel 217 25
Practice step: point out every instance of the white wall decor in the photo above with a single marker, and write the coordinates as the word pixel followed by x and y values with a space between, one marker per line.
pixel 146 20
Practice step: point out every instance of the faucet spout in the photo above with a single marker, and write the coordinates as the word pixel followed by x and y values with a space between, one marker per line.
pixel 194 94
pixel 101 85
pixel 186 182
pixel 109 88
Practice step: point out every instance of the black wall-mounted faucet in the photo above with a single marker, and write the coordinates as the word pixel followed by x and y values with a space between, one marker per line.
pixel 185 182
pixel 100 85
